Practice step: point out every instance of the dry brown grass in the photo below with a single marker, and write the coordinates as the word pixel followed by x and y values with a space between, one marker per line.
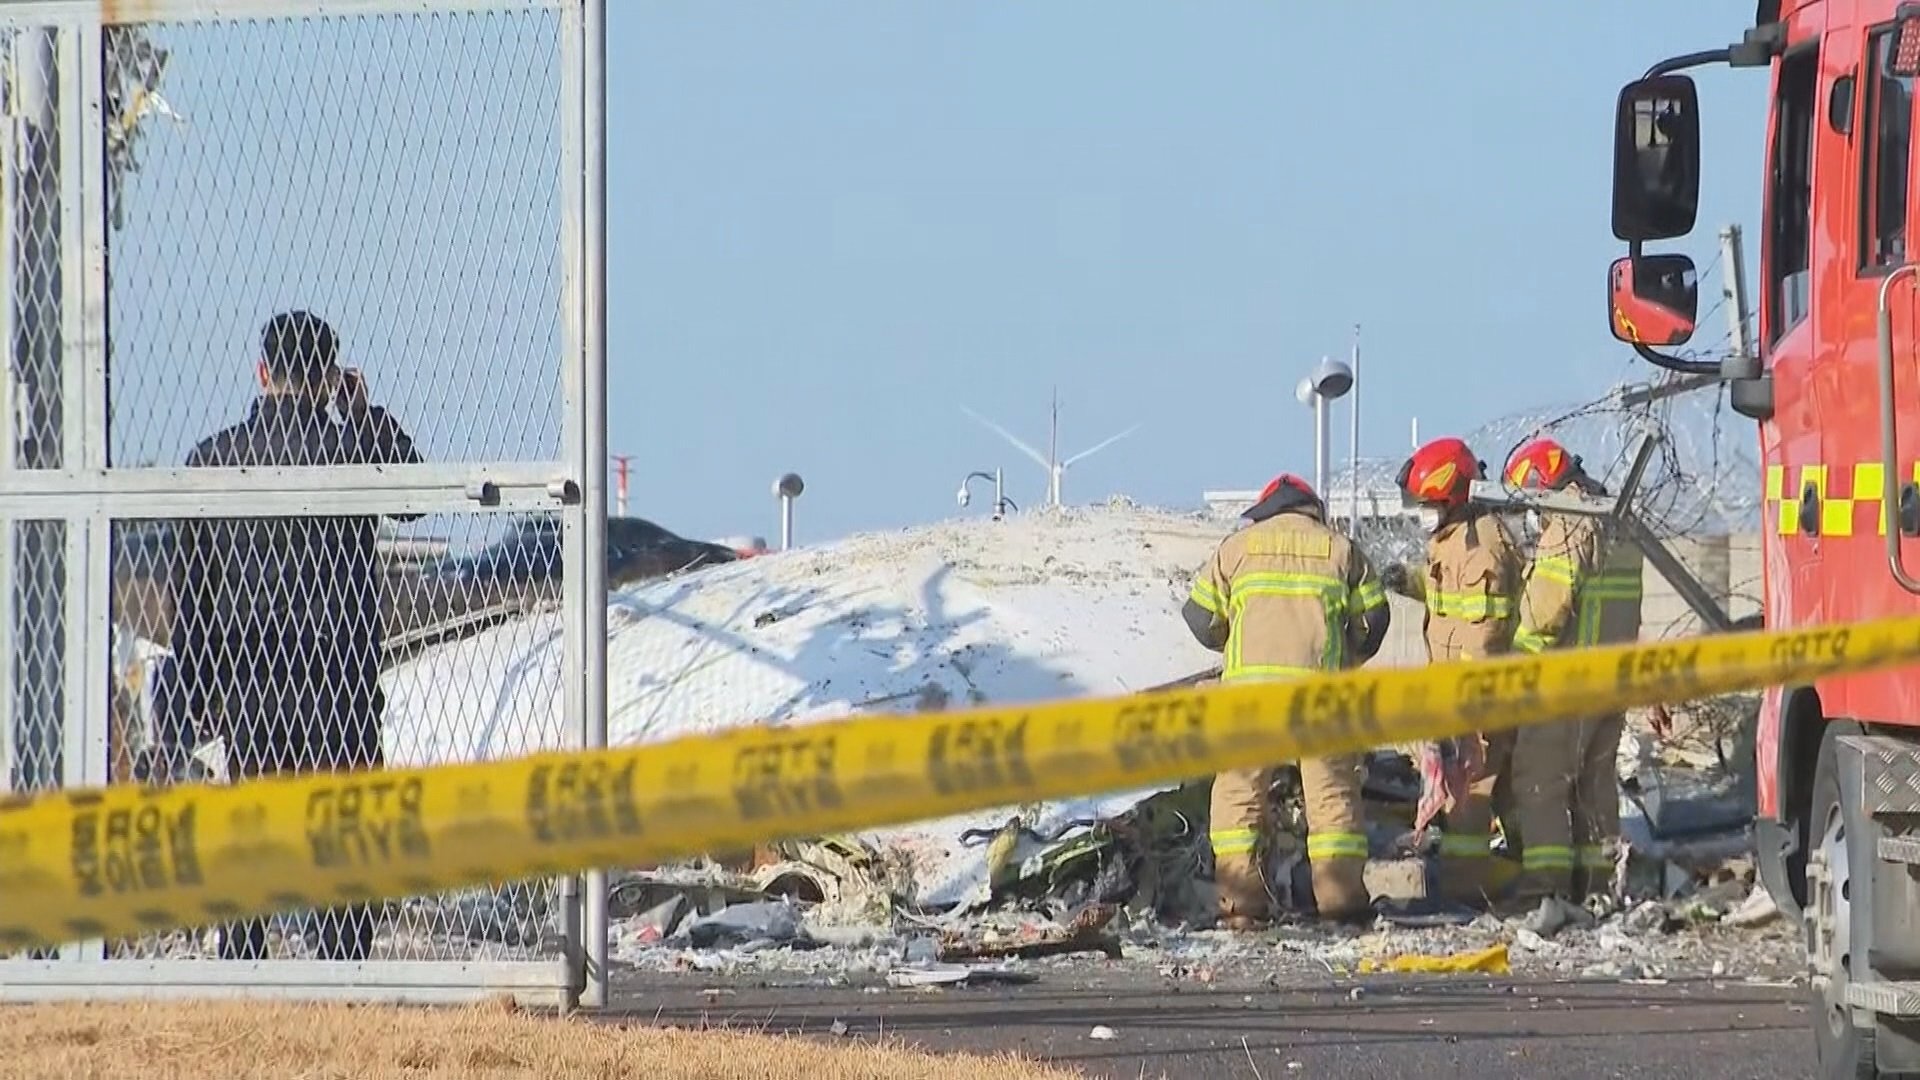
pixel 337 1042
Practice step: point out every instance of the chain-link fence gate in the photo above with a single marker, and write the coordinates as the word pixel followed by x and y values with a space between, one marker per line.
pixel 305 416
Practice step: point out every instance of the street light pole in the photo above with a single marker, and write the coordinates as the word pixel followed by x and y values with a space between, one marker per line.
pixel 1328 381
pixel 1000 501
pixel 1322 444
pixel 1353 439
pixel 788 488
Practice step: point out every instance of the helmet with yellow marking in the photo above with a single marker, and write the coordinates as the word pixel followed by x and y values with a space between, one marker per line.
pixel 1542 464
pixel 1441 473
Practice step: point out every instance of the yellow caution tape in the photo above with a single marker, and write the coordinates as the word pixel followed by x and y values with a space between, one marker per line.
pixel 107 863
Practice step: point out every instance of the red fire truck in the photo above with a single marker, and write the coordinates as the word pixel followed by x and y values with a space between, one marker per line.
pixel 1834 387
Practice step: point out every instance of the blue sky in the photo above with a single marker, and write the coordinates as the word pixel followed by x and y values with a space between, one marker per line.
pixel 833 224
pixel 398 176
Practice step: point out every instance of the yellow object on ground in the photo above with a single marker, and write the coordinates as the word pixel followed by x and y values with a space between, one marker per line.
pixel 262 1041
pixel 1489 961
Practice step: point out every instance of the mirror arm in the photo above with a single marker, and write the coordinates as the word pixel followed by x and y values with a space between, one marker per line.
pixel 1675 364
pixel 1690 60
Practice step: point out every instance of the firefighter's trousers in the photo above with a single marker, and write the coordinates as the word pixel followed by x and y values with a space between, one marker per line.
pixel 1336 837
pixel 1545 772
pixel 1466 839
pixel 1466 869
pixel 1596 801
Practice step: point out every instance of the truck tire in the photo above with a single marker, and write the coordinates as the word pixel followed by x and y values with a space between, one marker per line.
pixel 1844 1051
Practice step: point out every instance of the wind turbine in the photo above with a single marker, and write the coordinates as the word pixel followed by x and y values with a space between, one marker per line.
pixel 1049 461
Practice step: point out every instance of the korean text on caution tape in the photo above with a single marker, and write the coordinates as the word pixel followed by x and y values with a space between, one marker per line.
pixel 120 861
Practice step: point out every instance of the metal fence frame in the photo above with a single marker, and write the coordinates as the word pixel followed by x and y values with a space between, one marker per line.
pixel 89 496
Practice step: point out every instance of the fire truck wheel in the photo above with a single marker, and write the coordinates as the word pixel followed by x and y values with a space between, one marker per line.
pixel 1845 1051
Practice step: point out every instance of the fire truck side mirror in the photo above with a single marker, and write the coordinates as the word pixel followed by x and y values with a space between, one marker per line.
pixel 1656 159
pixel 1653 300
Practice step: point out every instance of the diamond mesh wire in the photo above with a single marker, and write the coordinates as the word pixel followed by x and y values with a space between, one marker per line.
pixel 399 176
pixel 35 729
pixel 37 552
pixel 33 552
pixel 34 238
pixel 293 200
pixel 247 647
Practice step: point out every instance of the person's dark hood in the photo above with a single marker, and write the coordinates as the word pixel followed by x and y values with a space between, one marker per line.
pixel 1287 499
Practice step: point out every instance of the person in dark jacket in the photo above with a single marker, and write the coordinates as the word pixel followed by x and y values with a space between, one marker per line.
pixel 277 620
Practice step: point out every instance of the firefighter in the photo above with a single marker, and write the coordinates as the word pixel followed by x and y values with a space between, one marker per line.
pixel 1468 586
pixel 1284 597
pixel 1582 589
pixel 1566 561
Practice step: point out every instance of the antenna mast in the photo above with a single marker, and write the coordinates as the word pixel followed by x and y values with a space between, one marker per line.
pixel 1053 452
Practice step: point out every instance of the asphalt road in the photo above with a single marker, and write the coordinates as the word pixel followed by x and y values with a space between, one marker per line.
pixel 1405 1028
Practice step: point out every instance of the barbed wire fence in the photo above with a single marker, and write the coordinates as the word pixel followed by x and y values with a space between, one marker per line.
pixel 1703 482
pixel 1701 495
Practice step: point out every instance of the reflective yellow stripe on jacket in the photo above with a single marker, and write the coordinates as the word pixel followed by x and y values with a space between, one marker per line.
pixel 1208 597
pixel 1331 592
pixel 1337 602
pixel 1557 568
pixel 1469 606
pixel 1370 596
pixel 1597 595
pixel 1529 640
pixel 1591 597
pixel 1552 570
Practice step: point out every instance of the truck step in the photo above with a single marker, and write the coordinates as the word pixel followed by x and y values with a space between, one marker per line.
pixel 1900 849
pixel 1886 998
